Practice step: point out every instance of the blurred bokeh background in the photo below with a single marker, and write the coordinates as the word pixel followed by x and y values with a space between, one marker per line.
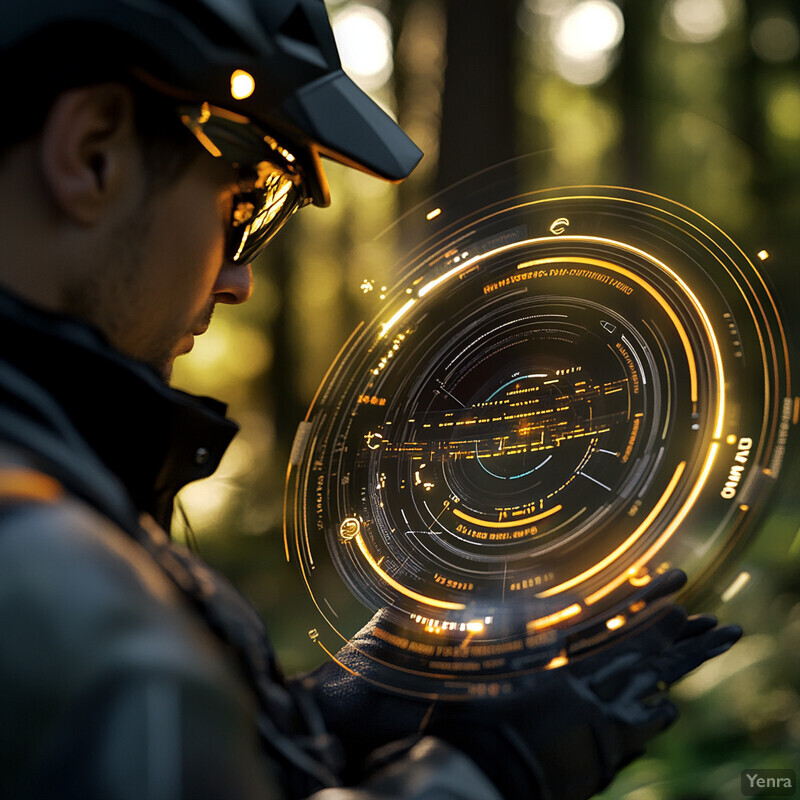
pixel 696 99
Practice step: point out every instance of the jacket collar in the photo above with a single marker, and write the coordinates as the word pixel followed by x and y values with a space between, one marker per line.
pixel 61 375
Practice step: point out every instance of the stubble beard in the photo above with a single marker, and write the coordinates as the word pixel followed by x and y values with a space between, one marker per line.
pixel 111 302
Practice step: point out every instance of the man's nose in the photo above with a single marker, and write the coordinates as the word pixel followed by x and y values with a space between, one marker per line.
pixel 234 284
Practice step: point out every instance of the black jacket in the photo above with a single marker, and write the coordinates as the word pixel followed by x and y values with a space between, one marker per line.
pixel 128 667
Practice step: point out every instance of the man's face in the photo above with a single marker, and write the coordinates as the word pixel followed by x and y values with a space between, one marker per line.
pixel 169 269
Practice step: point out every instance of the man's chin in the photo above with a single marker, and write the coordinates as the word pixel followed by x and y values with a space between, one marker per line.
pixel 166 366
pixel 163 366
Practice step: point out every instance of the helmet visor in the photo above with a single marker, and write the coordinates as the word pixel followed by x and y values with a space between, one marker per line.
pixel 271 182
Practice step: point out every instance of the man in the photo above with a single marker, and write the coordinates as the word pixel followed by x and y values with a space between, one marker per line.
pixel 162 145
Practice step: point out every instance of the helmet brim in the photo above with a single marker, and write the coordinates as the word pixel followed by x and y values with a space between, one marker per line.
pixel 349 127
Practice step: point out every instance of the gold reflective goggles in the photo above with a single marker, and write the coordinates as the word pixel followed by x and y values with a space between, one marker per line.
pixel 271 183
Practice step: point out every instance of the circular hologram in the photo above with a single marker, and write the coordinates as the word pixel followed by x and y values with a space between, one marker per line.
pixel 564 395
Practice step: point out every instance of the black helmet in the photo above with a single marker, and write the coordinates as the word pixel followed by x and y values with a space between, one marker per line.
pixel 285 51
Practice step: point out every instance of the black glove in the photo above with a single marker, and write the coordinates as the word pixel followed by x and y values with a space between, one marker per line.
pixel 562 733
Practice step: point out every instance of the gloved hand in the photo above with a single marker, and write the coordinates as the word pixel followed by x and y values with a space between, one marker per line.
pixel 563 734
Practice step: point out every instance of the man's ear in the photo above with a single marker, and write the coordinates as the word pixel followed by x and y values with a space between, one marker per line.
pixel 89 149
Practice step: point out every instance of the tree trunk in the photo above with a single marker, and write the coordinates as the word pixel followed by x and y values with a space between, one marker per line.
pixel 478 106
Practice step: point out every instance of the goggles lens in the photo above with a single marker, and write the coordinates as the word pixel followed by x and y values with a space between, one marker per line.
pixel 271 185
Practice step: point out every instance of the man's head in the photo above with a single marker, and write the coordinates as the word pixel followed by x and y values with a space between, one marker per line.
pixel 140 257
pixel 149 178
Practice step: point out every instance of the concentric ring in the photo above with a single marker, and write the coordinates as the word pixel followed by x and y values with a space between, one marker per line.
pixel 565 394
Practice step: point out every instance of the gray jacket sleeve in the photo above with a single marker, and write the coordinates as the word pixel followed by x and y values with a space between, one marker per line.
pixel 431 770
pixel 112 688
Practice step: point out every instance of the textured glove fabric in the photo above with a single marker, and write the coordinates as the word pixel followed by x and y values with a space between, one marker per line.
pixel 562 734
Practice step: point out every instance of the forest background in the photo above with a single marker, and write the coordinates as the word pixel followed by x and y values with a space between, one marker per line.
pixel 699 99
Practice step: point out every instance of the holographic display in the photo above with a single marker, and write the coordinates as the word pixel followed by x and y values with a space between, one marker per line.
pixel 565 394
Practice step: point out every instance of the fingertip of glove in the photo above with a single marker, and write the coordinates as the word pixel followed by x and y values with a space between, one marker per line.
pixel 665 584
pixel 736 632
pixel 702 621
pixel 727 638
pixel 677 575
